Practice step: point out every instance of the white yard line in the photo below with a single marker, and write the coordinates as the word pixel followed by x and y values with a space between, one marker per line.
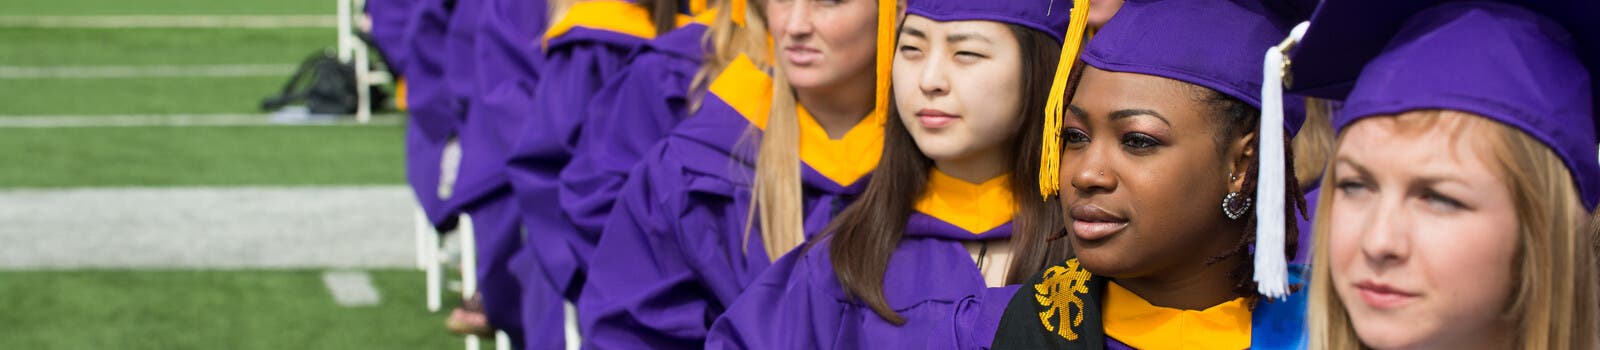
pixel 165 21
pixel 133 120
pixel 351 288
pixel 152 71
pixel 341 227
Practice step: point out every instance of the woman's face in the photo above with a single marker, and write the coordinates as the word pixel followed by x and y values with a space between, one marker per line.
pixel 1423 235
pixel 1143 178
pixel 958 86
pixel 822 43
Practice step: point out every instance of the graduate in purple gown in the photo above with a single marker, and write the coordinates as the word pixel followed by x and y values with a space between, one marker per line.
pixel 504 53
pixel 389 19
pixel 765 161
pixel 582 49
pixel 433 112
pixel 628 115
pixel 934 233
pixel 1459 211
pixel 1167 121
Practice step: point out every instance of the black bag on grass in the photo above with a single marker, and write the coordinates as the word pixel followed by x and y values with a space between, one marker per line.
pixel 326 85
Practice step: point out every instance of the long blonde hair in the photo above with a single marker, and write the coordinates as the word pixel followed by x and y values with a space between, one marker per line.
pixel 1556 244
pixel 776 191
pixel 727 41
pixel 1313 143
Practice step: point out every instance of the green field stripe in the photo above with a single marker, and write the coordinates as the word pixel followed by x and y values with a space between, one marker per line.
pixel 122 47
pixel 126 96
pixel 118 309
pixel 167 7
pixel 181 156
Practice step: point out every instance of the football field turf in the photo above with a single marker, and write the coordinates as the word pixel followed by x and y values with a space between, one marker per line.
pixel 59 82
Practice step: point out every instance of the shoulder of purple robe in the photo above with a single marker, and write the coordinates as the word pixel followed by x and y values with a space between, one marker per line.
pixel 460 74
pixel 627 116
pixel 777 311
pixel 506 60
pixel 924 225
pixel 433 110
pixel 388 29
pixel 643 291
pixel 977 317
pixel 686 42
pixel 568 76
pixel 926 282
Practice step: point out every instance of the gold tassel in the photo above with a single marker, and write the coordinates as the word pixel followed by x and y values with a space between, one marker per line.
pixel 736 11
pixel 696 7
pixel 887 11
pixel 1071 45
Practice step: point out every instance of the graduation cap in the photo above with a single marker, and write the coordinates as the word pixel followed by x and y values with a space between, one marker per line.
pixel 1218 45
pixel 1530 65
pixel 1050 16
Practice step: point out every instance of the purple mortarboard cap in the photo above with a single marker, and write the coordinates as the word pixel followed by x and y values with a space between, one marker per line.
pixel 1529 65
pixel 1222 45
pixel 1215 44
pixel 1050 17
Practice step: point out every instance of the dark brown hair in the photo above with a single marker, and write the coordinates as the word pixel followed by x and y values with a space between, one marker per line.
pixel 1236 119
pixel 867 232
pixel 663 13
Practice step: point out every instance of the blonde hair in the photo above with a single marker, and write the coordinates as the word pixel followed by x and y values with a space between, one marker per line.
pixel 777 187
pixel 1556 242
pixel 558 9
pixel 776 190
pixel 1313 143
pixel 727 41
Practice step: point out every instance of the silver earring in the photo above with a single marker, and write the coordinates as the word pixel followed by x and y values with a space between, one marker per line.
pixel 1235 205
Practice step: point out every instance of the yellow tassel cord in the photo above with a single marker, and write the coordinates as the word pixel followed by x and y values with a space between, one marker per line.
pixel 1071 44
pixel 697 6
pixel 888 10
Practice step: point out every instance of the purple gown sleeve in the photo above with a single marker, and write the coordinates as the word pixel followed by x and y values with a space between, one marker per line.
pixel 433 113
pixel 389 19
pixel 628 116
pixel 568 77
pixel 645 294
pixel 801 305
pixel 778 311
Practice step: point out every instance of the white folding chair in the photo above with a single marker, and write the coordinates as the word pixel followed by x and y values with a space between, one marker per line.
pixel 352 50
pixel 469 279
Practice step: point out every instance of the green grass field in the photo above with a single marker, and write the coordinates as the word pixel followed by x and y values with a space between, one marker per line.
pixel 174 156
pixel 200 308
pixel 97 309
pixel 167 7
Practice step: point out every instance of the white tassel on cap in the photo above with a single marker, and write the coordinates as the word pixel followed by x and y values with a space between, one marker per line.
pixel 1272 268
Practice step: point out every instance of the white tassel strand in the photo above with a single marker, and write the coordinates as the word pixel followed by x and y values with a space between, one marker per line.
pixel 1271 266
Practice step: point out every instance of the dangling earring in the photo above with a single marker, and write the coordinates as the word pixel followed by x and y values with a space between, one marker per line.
pixel 1235 205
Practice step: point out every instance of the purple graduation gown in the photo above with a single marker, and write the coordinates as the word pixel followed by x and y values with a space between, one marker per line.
pixel 505 56
pixel 434 111
pixel 389 18
pixel 627 116
pixel 674 254
pixel 573 66
pixel 931 280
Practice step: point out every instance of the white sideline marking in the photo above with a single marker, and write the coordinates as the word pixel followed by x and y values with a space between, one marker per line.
pixel 153 71
pixel 165 21
pixel 89 121
pixel 351 288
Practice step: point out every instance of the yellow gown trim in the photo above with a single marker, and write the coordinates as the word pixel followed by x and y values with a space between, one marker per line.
pixel 1134 321
pixel 610 15
pixel 844 160
pixel 748 89
pixel 976 208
